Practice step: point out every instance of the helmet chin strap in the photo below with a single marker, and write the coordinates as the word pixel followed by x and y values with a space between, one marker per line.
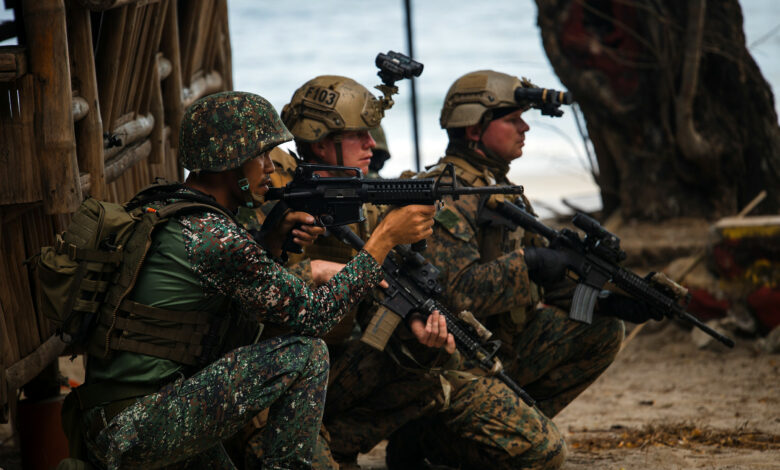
pixel 251 199
pixel 338 147
pixel 338 144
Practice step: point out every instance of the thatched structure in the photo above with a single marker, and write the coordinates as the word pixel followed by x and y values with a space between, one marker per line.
pixel 90 104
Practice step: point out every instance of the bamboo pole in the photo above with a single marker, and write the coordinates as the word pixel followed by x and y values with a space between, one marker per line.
pixel 201 87
pixel 138 79
pixel 19 172
pixel 107 61
pixel 79 109
pixel 100 5
pixel 172 89
pixel 150 76
pixel 129 157
pixel 32 364
pixel 158 112
pixel 15 293
pixel 89 132
pixel 164 67
pixel 44 22
pixel 127 58
pixel 130 133
pixel 226 52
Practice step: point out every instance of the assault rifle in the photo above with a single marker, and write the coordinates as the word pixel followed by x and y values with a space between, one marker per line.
pixel 413 288
pixel 594 261
pixel 339 200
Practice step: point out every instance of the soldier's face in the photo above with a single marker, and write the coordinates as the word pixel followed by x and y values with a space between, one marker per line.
pixel 355 146
pixel 505 136
pixel 256 172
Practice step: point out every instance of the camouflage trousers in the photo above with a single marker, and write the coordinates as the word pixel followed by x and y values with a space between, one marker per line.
pixel 482 424
pixel 182 425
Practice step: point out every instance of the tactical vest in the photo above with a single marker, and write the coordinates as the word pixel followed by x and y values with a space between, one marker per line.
pixel 494 241
pixel 85 282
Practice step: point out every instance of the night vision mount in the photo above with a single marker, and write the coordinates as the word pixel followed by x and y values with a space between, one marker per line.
pixel 394 66
pixel 547 100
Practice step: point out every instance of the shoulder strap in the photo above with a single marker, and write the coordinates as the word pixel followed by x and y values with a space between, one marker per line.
pixel 181 207
pixel 470 175
pixel 188 201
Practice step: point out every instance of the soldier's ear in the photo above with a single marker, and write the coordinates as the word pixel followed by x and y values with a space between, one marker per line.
pixel 473 133
pixel 318 148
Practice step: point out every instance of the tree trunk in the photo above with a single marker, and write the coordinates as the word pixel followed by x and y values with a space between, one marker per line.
pixel 682 121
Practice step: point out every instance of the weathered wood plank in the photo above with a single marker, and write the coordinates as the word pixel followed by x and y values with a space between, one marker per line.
pixel 89 132
pixel 49 62
pixel 13 62
pixel 172 88
pixel 129 38
pixel 107 61
pixel 130 133
pixel 129 157
pixel 18 162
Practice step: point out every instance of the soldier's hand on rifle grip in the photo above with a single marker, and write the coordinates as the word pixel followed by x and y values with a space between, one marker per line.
pixel 545 265
pixel 300 225
pixel 401 226
pixel 433 332
pixel 626 308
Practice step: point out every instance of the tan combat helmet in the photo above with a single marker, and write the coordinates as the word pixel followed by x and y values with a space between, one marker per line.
pixel 477 93
pixel 331 103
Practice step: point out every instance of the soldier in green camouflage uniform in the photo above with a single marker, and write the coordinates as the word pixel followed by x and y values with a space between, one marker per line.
pixel 496 273
pixel 153 412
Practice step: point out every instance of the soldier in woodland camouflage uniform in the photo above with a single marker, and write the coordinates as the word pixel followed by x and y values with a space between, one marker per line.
pixel 486 270
pixel 142 411
pixel 372 394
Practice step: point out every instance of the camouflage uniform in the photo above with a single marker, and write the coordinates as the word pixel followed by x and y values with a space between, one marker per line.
pixel 553 358
pixel 372 394
pixel 483 270
pixel 205 259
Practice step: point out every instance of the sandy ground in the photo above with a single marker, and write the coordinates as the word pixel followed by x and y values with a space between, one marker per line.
pixel 663 404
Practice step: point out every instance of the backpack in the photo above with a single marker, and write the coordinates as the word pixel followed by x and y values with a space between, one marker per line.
pixel 84 279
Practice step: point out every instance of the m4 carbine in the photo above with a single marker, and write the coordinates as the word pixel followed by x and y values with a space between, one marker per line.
pixel 594 261
pixel 339 200
pixel 413 287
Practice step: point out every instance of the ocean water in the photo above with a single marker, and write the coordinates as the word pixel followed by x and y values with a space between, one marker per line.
pixel 279 46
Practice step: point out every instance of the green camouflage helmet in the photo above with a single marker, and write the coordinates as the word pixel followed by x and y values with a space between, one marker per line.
pixel 331 103
pixel 221 131
pixel 476 93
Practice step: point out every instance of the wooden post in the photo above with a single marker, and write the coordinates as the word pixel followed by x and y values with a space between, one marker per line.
pixel 126 62
pixel 44 22
pixel 226 56
pixel 157 110
pixel 172 89
pixel 202 86
pixel 125 160
pixel 130 133
pixel 89 132
pixel 19 170
pixel 152 83
pixel 107 62
pixel 141 52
